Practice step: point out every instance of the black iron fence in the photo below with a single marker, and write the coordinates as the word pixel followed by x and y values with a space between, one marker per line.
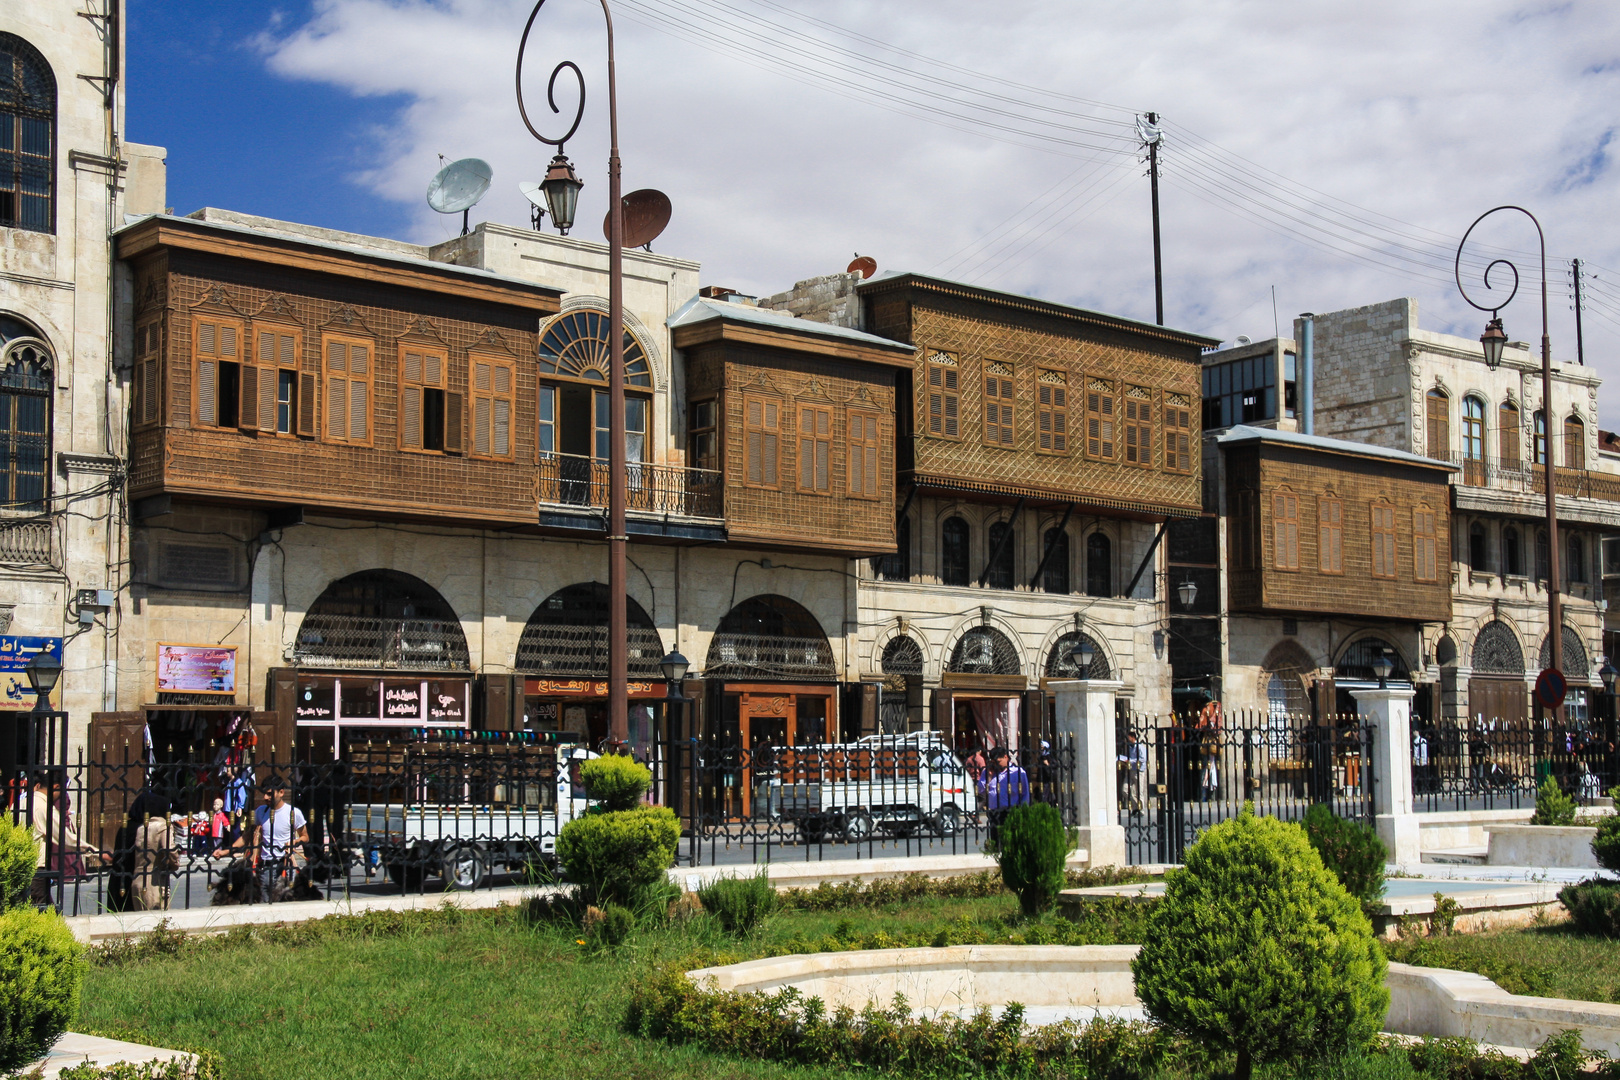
pixel 155 829
pixel 1178 775
pixel 1499 764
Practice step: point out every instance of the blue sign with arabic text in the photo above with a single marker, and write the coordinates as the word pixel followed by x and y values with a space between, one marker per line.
pixel 16 694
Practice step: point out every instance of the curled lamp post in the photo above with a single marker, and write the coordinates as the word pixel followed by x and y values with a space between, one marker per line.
pixel 1492 341
pixel 561 189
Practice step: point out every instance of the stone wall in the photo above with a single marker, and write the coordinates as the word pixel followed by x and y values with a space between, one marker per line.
pixel 828 299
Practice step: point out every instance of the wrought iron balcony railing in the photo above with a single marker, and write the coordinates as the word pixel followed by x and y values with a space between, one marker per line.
pixel 359 641
pixel 26 542
pixel 577 480
pixel 1511 474
pixel 737 656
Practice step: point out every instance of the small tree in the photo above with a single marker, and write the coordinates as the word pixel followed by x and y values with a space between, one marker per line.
pixel 1256 948
pixel 1606 844
pixel 1553 807
pixel 1031 851
pixel 42 968
pixel 615 782
pixel 1351 850
pixel 19 855
pixel 620 848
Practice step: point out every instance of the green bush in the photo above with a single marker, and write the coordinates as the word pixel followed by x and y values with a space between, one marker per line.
pixel 615 782
pixel 42 967
pixel 740 904
pixel 608 926
pixel 1553 807
pixel 18 857
pixel 614 856
pixel 1594 906
pixel 1606 844
pixel 1031 851
pixel 1351 850
pixel 1257 949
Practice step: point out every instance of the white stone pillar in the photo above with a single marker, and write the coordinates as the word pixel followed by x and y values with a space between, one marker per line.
pixel 1389 712
pixel 1085 720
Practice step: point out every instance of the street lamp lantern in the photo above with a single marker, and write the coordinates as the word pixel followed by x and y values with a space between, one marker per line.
pixel 1082 656
pixel 43 672
pixel 1381 668
pixel 1492 341
pixel 561 188
pixel 674 666
pixel 1607 673
pixel 1189 592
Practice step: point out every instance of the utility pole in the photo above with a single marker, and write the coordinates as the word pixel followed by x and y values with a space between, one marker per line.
pixel 1580 348
pixel 1151 137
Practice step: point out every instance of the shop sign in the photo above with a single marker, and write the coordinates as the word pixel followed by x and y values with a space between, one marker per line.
pixel 324 700
pixel 15 652
pixel 586 688
pixel 196 669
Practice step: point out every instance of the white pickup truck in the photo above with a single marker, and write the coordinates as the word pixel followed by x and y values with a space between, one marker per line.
pixel 897 784
pixel 518 827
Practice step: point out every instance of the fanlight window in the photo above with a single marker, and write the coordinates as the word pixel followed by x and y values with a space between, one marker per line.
pixel 576 346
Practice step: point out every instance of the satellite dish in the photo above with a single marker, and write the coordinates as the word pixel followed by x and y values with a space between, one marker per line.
pixel 537 201
pixel 458 187
pixel 646 214
pixel 863 265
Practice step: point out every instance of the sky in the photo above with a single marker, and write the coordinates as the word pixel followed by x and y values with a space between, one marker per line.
pixel 1314 155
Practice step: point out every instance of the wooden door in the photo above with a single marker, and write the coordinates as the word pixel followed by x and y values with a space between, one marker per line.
pixel 767 723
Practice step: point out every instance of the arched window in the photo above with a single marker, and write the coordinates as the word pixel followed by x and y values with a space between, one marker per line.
pixel 575 345
pixel 1478 549
pixel 568 635
pixel 1099 565
pixel 770 638
pixel 1439 425
pixel 1512 553
pixel 902 656
pixel 1541 438
pixel 1001 544
pixel 25 417
pixel 1574 443
pixel 1508 434
pixel 1061 664
pixel 984 650
pixel 896 567
pixel 953 552
pixel 1574 559
pixel 382 619
pixel 1473 441
pixel 574 412
pixel 27 137
pixel 1055 577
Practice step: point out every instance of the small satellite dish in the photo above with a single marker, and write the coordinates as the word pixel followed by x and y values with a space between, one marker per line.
pixel 863 265
pixel 458 187
pixel 646 214
pixel 537 201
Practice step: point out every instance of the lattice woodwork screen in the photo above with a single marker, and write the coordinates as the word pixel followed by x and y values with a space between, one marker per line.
pixel 348 389
pixel 1139 426
pixel 998 404
pixel 762 432
pixel 1425 561
pixel 1053 411
pixel 944 396
pixel 1100 419
pixel 1383 540
pixel 1330 535
pixel 863 454
pixel 213 343
pixel 492 383
pixel 1285 530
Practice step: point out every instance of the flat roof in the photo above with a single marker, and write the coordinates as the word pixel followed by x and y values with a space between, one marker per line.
pixel 701 309
pixel 1243 433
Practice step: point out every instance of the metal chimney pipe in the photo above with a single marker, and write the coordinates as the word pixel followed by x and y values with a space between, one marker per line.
pixel 1307 374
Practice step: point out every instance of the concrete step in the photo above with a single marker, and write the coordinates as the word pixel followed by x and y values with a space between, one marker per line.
pixel 1464 856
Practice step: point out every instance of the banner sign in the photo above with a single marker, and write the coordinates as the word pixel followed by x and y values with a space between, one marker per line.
pixel 16 694
pixel 196 669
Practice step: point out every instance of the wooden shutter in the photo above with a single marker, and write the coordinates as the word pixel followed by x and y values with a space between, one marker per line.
pixel 1100 420
pixel 944 396
pixel 1138 427
pixel 337 390
pixel 1285 530
pixel 815 448
pixel 1052 412
pixel 1176 415
pixel 1330 536
pixel 454 408
pixel 1383 540
pixel 1508 434
pixel 1425 559
pixel 998 405
pixel 307 395
pixel 1574 444
pixel 863 454
pixel 148 366
pixel 410 400
pixel 359 393
pixel 501 436
pixel 214 341
pixel 761 436
pixel 1439 428
pixel 492 383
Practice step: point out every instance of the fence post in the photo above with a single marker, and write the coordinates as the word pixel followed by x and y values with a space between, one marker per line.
pixel 1389 712
pixel 1085 715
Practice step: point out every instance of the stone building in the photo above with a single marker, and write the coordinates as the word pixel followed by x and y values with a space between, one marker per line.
pixel 68 178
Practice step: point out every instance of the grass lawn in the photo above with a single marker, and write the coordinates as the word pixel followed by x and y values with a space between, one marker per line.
pixel 1546 961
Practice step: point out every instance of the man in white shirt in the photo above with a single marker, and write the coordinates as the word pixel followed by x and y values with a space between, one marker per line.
pixel 277 828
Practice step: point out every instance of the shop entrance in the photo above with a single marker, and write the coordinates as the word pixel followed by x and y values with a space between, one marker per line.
pixel 769 722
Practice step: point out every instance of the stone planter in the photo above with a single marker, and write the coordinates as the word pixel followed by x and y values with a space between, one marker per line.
pixel 1563 846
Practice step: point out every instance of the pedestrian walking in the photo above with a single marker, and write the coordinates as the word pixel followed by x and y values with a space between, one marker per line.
pixel 1004 786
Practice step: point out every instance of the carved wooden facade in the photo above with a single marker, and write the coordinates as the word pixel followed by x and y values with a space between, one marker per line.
pixel 803 430
pixel 1014 396
pixel 1316 527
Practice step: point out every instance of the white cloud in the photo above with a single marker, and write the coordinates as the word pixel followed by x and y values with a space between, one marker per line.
pixel 1427 114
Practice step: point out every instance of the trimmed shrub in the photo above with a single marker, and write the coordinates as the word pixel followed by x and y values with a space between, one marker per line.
pixel 614 856
pixel 1031 851
pixel 1594 906
pixel 41 970
pixel 1553 807
pixel 1257 949
pixel 607 927
pixel 615 782
pixel 741 904
pixel 19 854
pixel 1351 850
pixel 1606 844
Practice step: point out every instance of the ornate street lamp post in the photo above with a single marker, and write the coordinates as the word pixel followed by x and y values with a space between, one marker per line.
pixel 561 189
pixel 1492 341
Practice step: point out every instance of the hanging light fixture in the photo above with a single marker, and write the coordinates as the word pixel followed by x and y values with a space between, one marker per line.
pixel 561 188
pixel 1189 592
pixel 1492 341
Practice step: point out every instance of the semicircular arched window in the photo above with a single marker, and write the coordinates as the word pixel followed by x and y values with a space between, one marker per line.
pixel 575 346
pixel 27 137
pixel 25 417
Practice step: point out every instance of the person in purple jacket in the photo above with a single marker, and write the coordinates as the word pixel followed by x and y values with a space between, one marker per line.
pixel 1004 786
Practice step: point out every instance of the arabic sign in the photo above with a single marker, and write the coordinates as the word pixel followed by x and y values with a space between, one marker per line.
pixel 321 700
pixel 196 669
pixel 16 695
pixel 587 688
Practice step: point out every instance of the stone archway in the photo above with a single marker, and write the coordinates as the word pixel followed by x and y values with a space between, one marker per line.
pixel 568 635
pixel 381 619
pixel 769 638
